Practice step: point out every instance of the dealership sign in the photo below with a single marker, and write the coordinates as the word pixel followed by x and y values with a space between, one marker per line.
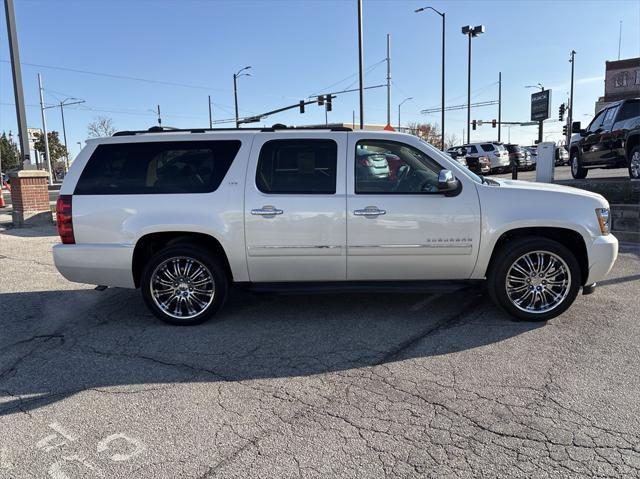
pixel 622 80
pixel 540 105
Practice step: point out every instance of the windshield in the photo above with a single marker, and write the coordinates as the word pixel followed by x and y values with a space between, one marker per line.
pixel 435 152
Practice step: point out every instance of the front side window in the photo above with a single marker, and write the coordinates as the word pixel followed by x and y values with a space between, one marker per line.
pixel 297 167
pixel 388 167
pixel 157 167
pixel 596 122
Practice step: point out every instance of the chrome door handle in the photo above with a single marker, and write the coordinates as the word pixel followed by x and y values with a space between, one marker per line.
pixel 267 211
pixel 370 211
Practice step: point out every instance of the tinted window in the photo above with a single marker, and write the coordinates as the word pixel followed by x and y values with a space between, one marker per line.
pixel 158 167
pixel 630 109
pixel 597 121
pixel 472 149
pixel 390 167
pixel 487 147
pixel 297 166
pixel 608 118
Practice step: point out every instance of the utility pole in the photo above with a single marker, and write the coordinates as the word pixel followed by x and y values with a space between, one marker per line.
pixel 210 117
pixel 159 119
pixel 388 79
pixel 44 132
pixel 21 114
pixel 500 105
pixel 570 115
pixel 360 64
pixel 61 105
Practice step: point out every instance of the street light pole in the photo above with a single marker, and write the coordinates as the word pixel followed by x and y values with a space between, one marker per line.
pixel 399 106
pixel 235 91
pixel 442 15
pixel 570 115
pixel 470 32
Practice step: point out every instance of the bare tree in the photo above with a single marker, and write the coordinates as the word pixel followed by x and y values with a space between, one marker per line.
pixel 428 132
pixel 101 126
pixel 451 140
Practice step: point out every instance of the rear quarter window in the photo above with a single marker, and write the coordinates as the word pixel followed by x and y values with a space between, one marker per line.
pixel 487 147
pixel 157 167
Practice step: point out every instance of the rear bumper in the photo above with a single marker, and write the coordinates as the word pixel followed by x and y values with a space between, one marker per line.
pixel 603 252
pixel 109 265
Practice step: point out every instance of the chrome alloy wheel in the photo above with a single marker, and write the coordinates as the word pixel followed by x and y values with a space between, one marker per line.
pixel 182 287
pixel 634 165
pixel 574 165
pixel 538 282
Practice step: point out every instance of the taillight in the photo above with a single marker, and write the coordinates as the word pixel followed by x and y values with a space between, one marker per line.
pixel 64 218
pixel 366 162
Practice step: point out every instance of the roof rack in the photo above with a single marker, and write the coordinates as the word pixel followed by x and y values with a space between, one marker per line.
pixel 276 127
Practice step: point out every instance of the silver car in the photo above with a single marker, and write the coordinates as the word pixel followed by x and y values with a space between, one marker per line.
pixel 371 164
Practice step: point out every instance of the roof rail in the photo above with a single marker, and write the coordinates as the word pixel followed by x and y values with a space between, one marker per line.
pixel 276 127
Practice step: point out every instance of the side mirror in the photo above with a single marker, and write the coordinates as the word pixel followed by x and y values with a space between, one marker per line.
pixel 576 127
pixel 447 183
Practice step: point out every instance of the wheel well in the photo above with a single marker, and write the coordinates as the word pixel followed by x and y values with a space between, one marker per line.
pixel 632 142
pixel 574 149
pixel 150 244
pixel 572 240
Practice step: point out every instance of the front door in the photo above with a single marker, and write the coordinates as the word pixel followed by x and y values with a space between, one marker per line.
pixel 399 227
pixel 592 146
pixel 295 208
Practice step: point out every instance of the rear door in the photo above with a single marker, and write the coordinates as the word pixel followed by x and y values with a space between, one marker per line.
pixel 401 228
pixel 295 207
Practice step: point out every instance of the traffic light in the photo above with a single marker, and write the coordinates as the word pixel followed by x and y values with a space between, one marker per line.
pixel 493 123
pixel 564 130
pixel 473 124
pixel 321 100
pixel 561 111
pixel 301 106
pixel 328 100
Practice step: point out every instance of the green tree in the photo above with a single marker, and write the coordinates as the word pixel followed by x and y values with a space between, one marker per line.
pixel 57 151
pixel 8 153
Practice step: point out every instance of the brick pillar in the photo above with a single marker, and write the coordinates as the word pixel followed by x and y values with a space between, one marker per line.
pixel 30 198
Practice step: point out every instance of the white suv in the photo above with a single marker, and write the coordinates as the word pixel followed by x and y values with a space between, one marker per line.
pixel 185 214
pixel 496 152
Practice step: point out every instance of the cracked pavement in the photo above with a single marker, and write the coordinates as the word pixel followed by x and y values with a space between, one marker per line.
pixel 351 385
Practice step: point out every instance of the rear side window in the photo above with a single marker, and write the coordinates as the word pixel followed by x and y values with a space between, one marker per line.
pixel 472 149
pixel 297 166
pixel 487 147
pixel 157 168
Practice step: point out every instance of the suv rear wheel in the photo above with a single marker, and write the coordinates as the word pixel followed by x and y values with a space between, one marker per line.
pixel 534 279
pixel 634 163
pixel 577 170
pixel 184 285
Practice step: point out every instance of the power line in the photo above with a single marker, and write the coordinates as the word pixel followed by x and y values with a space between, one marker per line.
pixel 119 77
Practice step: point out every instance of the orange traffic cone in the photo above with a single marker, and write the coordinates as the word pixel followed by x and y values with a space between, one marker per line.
pixel 2 204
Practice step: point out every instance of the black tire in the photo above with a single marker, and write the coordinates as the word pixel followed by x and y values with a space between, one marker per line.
pixel 577 170
pixel 212 269
pixel 497 277
pixel 634 163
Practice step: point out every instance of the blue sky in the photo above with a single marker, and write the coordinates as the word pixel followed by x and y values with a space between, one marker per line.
pixel 299 48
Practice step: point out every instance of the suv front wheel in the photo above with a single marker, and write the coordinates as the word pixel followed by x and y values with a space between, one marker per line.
pixel 534 279
pixel 577 170
pixel 184 285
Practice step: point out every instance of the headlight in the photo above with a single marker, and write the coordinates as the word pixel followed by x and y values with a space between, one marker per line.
pixel 604 220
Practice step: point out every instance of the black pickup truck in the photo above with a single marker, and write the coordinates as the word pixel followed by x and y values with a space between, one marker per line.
pixel 612 140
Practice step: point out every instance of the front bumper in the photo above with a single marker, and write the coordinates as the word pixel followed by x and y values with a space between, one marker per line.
pixel 103 264
pixel 603 252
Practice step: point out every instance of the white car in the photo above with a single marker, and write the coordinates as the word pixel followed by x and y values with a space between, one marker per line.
pixel 184 215
pixel 496 152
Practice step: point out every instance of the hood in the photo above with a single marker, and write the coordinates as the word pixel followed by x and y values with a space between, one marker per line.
pixel 549 188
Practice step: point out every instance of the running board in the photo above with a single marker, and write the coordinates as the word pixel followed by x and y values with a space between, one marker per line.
pixel 359 287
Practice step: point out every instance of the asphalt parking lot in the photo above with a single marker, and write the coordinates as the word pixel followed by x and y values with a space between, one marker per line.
pixel 564 173
pixel 92 385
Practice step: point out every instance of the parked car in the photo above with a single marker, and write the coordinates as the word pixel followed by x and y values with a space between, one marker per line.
pixel 612 140
pixel 186 214
pixel 371 164
pixel 520 156
pixel 562 156
pixel 480 165
pixel 495 151
pixel 533 151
